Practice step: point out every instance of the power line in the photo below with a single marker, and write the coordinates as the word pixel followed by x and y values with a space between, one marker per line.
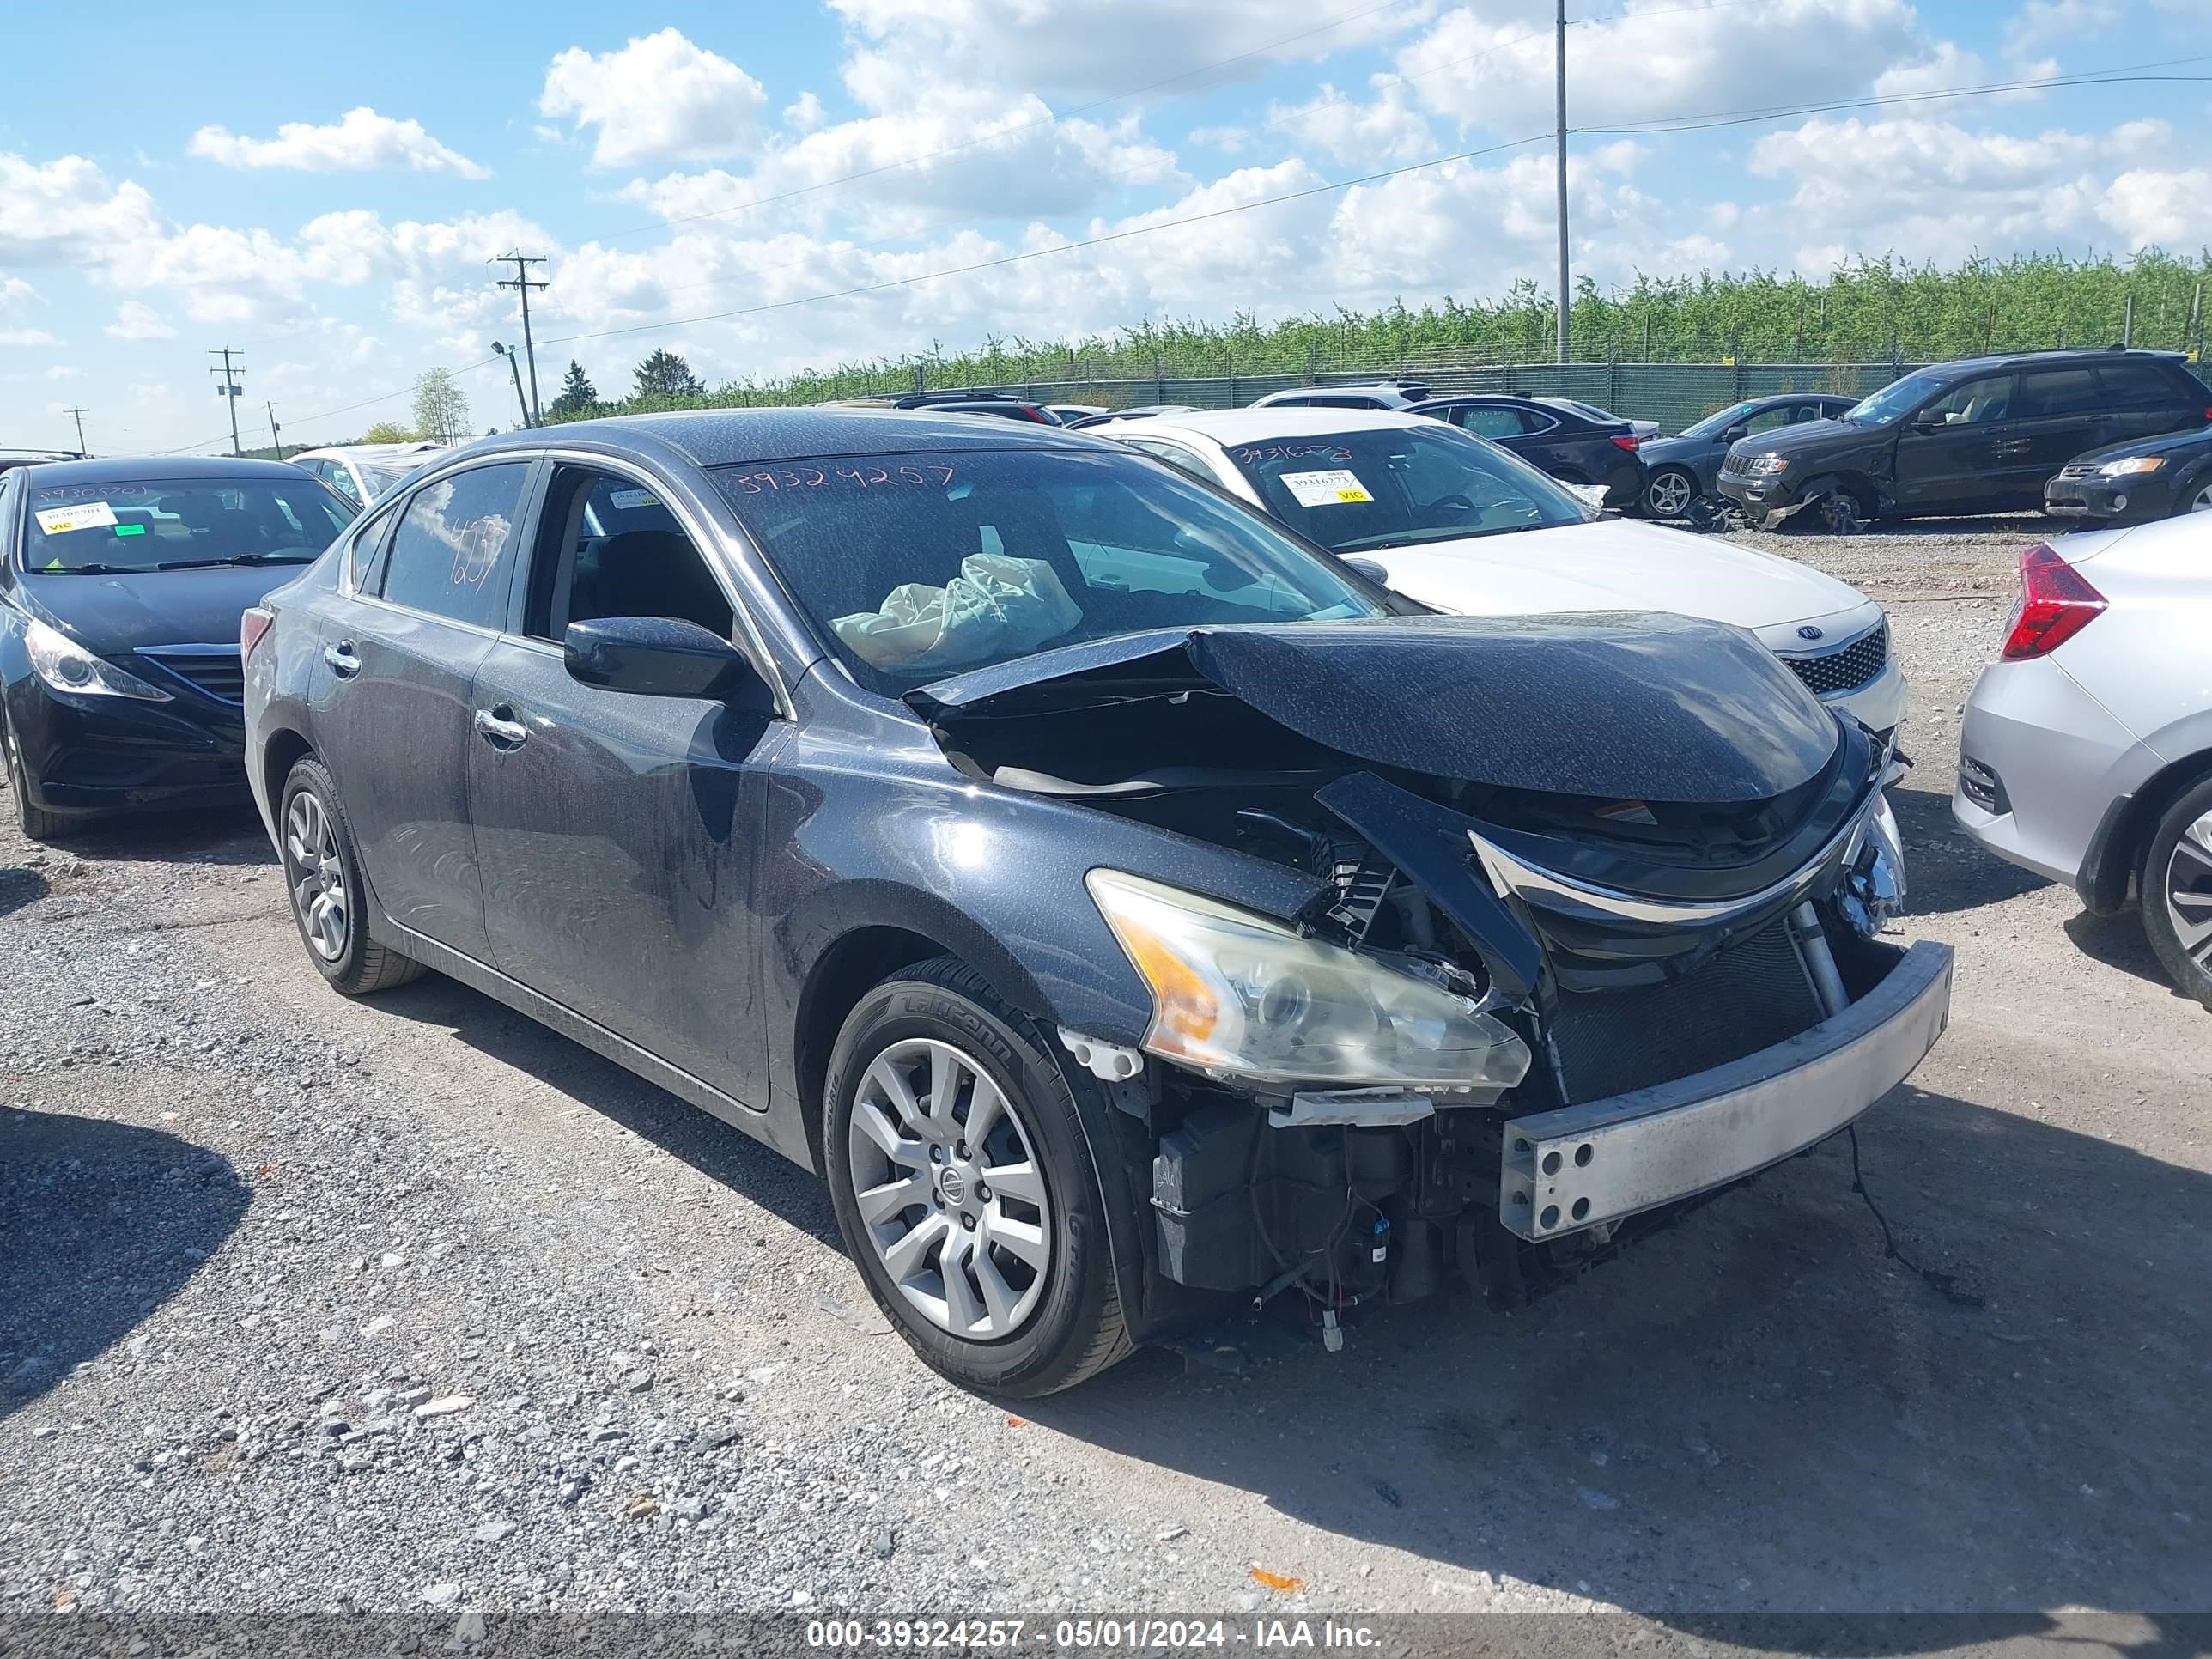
pixel 229 390
pixel 522 284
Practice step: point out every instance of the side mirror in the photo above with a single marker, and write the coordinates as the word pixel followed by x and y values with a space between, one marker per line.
pixel 1923 425
pixel 1735 432
pixel 660 656
pixel 1367 567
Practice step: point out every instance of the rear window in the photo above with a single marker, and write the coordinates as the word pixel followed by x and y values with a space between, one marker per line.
pixel 168 524
pixel 2140 385
pixel 911 567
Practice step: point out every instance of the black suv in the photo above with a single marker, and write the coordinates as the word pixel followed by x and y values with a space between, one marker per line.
pixel 1979 435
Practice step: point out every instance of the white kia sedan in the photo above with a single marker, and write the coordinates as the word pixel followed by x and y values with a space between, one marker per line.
pixel 1463 526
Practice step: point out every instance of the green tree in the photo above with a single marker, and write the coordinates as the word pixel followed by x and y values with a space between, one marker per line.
pixel 387 432
pixel 665 374
pixel 441 408
pixel 578 399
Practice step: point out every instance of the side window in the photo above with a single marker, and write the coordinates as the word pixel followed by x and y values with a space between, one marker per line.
pixel 1767 419
pixel 1489 421
pixel 2056 391
pixel 334 474
pixel 608 546
pixel 2137 386
pixel 1183 460
pixel 361 552
pixel 453 551
pixel 1972 402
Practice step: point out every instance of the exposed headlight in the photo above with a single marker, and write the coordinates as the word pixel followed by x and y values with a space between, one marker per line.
pixel 1765 466
pixel 1237 994
pixel 65 665
pixel 2133 464
pixel 1874 888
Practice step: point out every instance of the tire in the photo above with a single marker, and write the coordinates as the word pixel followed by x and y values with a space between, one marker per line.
pixel 2175 881
pixel 328 901
pixel 1841 512
pixel 1669 493
pixel 2195 495
pixel 35 822
pixel 1054 1317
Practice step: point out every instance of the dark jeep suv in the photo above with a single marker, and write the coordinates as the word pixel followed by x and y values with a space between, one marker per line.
pixel 1979 435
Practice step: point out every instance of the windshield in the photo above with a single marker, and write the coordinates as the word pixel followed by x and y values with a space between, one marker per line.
pixel 380 477
pixel 1714 424
pixel 1390 486
pixel 157 525
pixel 912 566
pixel 1894 400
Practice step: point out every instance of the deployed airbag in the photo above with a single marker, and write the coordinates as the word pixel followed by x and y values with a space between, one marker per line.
pixel 996 605
pixel 1621 705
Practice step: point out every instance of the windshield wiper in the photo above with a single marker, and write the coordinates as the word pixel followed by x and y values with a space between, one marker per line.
pixel 238 558
pixel 87 570
pixel 1432 533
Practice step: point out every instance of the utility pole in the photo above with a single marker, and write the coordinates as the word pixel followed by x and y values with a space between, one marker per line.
pixel 499 351
pixel 275 432
pixel 80 414
pixel 1565 297
pixel 522 284
pixel 228 391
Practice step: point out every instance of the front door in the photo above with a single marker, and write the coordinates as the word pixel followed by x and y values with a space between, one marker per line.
pixel 1951 454
pixel 399 658
pixel 619 834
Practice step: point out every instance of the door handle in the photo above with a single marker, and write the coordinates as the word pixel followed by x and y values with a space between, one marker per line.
pixel 500 729
pixel 341 660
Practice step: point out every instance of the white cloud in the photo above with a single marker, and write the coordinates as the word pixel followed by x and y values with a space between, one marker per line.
pixel 2171 209
pixel 659 97
pixel 359 141
pixel 805 113
pixel 1680 58
pixel 65 212
pixel 2041 24
pixel 27 336
pixel 1387 130
pixel 1943 69
pixel 137 320
pixel 15 293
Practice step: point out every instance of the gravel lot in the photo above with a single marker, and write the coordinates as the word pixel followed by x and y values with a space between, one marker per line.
pixel 412 1305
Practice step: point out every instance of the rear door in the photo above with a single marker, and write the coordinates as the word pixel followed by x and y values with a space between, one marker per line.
pixel 395 719
pixel 2058 412
pixel 619 835
pixel 1950 452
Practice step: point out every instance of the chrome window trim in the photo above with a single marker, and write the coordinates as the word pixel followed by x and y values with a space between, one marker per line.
pixel 1550 891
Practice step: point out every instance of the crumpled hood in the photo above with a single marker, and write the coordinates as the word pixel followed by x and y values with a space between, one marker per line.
pixel 1613 564
pixel 110 614
pixel 1637 706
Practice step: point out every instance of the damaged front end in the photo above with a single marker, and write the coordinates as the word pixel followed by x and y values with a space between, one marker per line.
pixel 1598 934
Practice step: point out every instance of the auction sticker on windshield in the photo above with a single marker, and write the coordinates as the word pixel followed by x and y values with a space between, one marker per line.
pixel 83 515
pixel 1328 489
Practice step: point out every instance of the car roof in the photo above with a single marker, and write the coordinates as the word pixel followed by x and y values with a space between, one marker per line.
pixel 2070 357
pixel 368 452
pixel 725 437
pixel 1250 426
pixel 167 469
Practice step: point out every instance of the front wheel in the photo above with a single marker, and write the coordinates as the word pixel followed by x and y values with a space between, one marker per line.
pixel 2176 885
pixel 2195 496
pixel 322 879
pixel 1669 493
pixel 962 1181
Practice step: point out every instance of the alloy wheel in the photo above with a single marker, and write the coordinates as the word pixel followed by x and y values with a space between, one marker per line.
pixel 1669 494
pixel 318 875
pixel 945 1176
pixel 2202 500
pixel 2189 891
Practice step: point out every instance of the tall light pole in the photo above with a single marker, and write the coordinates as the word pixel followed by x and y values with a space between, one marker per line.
pixel 228 391
pixel 1566 298
pixel 521 402
pixel 80 414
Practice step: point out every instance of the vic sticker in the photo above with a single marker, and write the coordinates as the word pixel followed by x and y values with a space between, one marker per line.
pixel 1326 489
pixel 84 515
pixel 627 499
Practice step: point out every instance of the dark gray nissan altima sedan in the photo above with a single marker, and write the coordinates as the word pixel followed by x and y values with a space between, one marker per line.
pixel 1129 909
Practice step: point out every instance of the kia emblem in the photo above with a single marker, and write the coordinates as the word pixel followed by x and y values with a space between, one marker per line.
pixel 1808 632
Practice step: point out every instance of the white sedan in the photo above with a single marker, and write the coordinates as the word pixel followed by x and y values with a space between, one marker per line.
pixel 1463 526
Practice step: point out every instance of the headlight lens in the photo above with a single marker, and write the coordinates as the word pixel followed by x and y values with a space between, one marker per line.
pixel 1236 994
pixel 65 665
pixel 2133 464
pixel 1766 466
